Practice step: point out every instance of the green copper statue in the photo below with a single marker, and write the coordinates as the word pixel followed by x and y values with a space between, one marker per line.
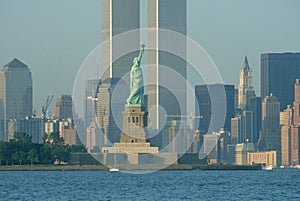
pixel 136 81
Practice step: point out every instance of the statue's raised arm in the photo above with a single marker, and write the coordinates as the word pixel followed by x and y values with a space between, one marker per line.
pixel 136 80
pixel 141 52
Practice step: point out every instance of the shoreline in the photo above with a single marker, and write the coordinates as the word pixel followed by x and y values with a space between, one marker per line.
pixel 127 168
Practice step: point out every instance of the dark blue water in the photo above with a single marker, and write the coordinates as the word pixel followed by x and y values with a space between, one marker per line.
pixel 163 185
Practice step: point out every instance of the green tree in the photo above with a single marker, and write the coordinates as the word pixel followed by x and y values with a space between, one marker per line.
pixel 61 153
pixel 45 154
pixel 1 152
pixel 18 156
pixel 78 149
pixel 33 156
pixel 7 151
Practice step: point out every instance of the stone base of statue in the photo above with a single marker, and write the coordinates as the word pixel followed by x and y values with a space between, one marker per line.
pixel 133 137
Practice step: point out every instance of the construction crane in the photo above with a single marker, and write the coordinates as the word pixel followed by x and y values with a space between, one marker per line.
pixel 45 107
pixel 192 118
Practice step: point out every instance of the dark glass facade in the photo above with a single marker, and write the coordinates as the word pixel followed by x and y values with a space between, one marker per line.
pixel 205 106
pixel 169 15
pixel 278 74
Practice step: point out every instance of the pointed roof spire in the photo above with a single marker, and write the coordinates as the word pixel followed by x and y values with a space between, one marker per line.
pixel 246 65
pixel 16 63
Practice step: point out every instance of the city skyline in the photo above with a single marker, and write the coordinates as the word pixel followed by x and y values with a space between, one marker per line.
pixel 150 99
pixel 245 116
pixel 61 44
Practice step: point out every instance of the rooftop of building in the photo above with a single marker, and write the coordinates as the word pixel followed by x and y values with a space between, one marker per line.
pixel 246 64
pixel 16 63
pixel 245 147
pixel 281 56
pixel 270 98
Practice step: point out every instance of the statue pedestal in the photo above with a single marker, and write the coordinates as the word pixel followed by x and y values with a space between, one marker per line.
pixel 134 123
pixel 133 136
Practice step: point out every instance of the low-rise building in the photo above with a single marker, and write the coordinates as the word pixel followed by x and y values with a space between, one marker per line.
pixel 241 151
pixel 267 157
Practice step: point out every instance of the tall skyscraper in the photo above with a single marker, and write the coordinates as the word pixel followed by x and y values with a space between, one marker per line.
pixel 179 130
pixel 247 103
pixel 91 90
pixel 206 108
pixel 236 100
pixel 52 126
pixel 270 139
pixel 247 127
pixel 242 128
pixel 94 138
pixel 295 129
pixel 278 74
pixel 246 90
pixel 64 107
pixel 295 148
pixel 169 15
pixel 255 108
pixel 235 130
pixel 297 103
pixel 108 110
pixel 34 127
pixel 286 121
pixel 68 131
pixel 15 94
pixel 119 16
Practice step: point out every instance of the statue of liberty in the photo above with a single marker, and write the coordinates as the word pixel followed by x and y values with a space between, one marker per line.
pixel 136 81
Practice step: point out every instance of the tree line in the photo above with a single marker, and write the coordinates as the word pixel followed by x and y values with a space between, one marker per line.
pixel 21 150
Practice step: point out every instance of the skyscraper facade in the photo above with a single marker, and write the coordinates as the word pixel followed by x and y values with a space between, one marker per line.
pixel 64 107
pixel 242 128
pixel 297 103
pixel 203 99
pixel 295 129
pixel 179 130
pixel 235 130
pixel 119 16
pixel 94 138
pixel 246 90
pixel 106 107
pixel 270 139
pixel 278 74
pixel 236 100
pixel 15 94
pixel 286 121
pixel 33 127
pixel 247 127
pixel 295 148
pixel 91 90
pixel 255 108
pixel 169 15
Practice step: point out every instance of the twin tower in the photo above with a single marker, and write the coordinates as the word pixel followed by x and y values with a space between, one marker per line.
pixel 121 17
pixel 125 17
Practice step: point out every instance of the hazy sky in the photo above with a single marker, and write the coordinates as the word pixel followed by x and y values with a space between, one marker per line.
pixel 54 37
